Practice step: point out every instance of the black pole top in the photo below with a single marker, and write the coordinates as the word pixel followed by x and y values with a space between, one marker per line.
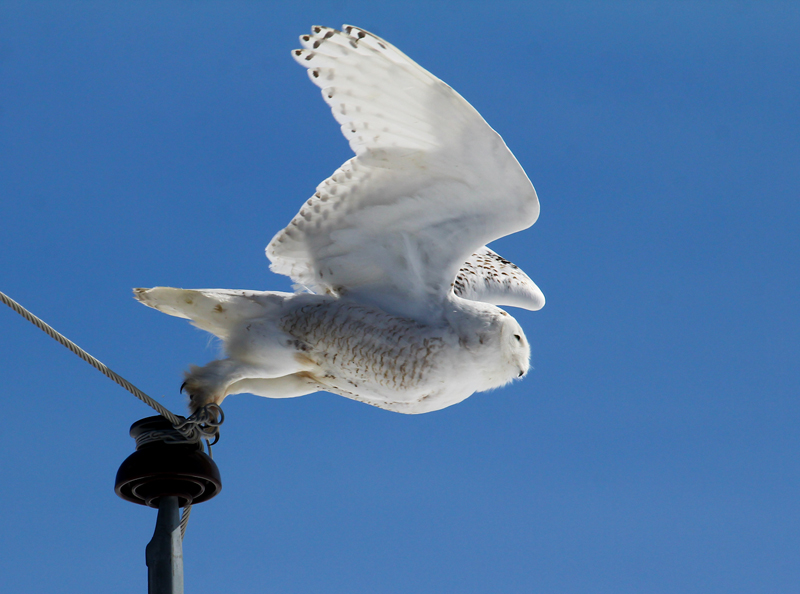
pixel 165 464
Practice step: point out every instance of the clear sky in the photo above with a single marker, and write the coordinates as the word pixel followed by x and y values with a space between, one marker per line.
pixel 653 447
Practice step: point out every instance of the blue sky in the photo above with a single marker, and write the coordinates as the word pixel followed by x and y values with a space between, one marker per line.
pixel 652 448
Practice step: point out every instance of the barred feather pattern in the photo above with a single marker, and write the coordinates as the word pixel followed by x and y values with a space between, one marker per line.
pixel 360 347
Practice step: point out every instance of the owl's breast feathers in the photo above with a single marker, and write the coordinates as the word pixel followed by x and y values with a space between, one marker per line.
pixel 359 347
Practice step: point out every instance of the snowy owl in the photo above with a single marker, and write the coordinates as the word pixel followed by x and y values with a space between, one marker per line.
pixel 397 295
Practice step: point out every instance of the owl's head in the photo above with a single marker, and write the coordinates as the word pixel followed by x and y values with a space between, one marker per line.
pixel 514 347
pixel 500 351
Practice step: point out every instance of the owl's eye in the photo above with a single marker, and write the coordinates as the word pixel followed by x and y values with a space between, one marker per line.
pixel 518 337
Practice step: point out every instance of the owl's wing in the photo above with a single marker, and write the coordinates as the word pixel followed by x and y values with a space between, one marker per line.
pixel 430 184
pixel 215 310
pixel 487 276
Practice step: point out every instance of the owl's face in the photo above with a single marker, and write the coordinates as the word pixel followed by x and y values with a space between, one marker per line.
pixel 516 351
pixel 500 351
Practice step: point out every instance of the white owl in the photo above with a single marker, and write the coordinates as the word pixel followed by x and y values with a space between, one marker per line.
pixel 399 308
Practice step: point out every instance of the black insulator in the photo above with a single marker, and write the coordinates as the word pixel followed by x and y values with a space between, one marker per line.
pixel 162 466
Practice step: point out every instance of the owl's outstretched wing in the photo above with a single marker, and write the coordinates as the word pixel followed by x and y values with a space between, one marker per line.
pixel 486 276
pixel 430 184
pixel 217 311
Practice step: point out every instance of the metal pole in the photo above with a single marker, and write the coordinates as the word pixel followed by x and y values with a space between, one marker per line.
pixel 166 472
pixel 164 553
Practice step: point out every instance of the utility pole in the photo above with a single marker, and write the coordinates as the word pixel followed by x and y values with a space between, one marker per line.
pixel 167 472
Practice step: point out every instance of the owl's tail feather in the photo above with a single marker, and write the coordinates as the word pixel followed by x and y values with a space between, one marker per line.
pixel 215 310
